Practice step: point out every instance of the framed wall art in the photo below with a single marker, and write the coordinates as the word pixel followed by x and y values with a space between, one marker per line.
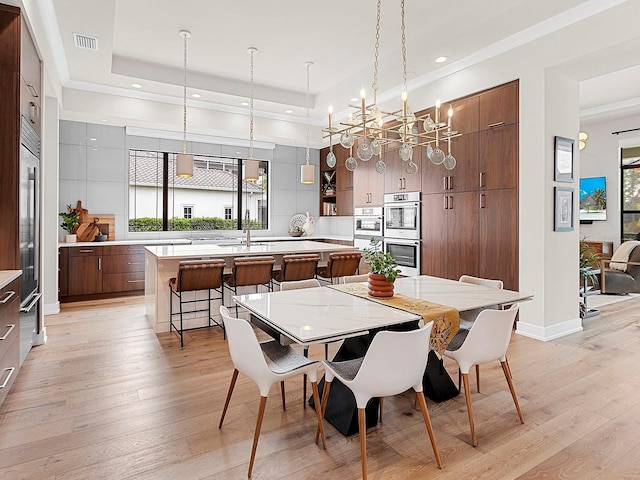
pixel 563 208
pixel 563 156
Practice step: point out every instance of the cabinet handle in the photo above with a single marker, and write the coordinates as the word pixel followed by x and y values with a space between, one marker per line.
pixel 404 183
pixel 451 202
pixel 444 202
pixel 444 183
pixel 11 326
pixel 482 200
pixel 497 124
pixel 482 179
pixel 8 296
pixel 399 184
pixel 99 263
pixel 135 263
pixel 33 90
pixel 10 370
pixel 450 182
pixel 134 281
pixel 86 251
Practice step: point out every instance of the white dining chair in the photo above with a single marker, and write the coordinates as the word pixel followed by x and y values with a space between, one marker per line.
pixel 379 374
pixel 265 363
pixel 486 341
pixel 356 278
pixel 467 317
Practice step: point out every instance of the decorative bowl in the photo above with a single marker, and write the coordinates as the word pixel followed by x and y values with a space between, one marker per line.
pixel 100 238
pixel 296 234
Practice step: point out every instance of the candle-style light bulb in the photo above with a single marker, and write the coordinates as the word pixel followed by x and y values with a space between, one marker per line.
pixel 438 103
pixel 404 97
pixel 449 114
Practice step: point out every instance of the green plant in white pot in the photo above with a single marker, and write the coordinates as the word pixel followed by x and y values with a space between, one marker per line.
pixel 70 223
pixel 384 269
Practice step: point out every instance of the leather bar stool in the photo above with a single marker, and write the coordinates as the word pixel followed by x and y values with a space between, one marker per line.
pixel 340 264
pixel 193 276
pixel 247 271
pixel 297 267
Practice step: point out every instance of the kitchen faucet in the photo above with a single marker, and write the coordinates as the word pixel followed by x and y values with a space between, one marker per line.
pixel 247 227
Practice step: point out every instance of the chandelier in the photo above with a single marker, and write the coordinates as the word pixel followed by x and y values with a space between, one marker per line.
pixel 372 128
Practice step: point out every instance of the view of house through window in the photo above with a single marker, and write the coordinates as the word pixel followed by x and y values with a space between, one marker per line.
pixel 630 166
pixel 214 198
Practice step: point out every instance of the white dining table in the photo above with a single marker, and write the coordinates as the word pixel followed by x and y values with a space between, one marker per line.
pixel 322 315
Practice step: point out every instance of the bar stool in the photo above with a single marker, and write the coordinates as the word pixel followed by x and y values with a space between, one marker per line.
pixel 194 275
pixel 297 267
pixel 246 271
pixel 340 264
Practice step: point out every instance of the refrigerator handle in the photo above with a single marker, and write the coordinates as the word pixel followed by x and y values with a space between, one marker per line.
pixel 34 300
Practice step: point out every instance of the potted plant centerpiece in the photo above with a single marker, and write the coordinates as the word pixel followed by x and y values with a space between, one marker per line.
pixel 589 265
pixel 296 231
pixel 384 270
pixel 70 223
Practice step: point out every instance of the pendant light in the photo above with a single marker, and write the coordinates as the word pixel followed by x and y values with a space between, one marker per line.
pixel 184 162
pixel 307 172
pixel 251 171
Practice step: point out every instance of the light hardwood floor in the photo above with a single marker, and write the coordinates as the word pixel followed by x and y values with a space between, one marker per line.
pixel 106 398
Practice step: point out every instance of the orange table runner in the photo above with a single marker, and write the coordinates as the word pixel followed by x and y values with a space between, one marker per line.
pixel 446 320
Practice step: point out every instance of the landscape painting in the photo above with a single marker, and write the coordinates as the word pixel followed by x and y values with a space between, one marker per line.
pixel 593 199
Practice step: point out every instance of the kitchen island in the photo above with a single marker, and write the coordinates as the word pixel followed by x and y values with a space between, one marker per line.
pixel 161 264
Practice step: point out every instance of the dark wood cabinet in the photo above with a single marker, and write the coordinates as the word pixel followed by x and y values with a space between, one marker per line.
pixel 498 157
pixel 499 236
pixel 397 178
pixel 368 184
pixel 450 235
pixel 9 336
pixel 464 177
pixel 499 106
pixel 100 271
pixel 85 275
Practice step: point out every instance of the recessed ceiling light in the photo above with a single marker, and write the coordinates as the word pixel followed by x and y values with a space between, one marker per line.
pixel 244 104
pixel 288 111
pixel 441 59
pixel 195 95
pixel 354 99
pixel 103 120
pixel 136 85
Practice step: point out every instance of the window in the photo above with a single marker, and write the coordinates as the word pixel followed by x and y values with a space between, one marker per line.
pixel 214 198
pixel 630 188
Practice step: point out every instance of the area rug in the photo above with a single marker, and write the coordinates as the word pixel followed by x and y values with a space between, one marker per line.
pixel 597 301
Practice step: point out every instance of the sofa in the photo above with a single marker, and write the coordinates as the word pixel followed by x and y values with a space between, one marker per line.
pixel 625 277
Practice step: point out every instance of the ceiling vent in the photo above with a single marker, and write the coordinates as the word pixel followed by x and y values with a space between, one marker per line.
pixel 85 41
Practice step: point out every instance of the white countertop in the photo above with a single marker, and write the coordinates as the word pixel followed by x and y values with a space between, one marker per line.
pixel 256 248
pixel 183 241
pixel 8 276
pixel 187 241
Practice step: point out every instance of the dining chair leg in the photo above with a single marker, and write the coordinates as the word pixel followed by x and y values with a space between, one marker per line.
pixel 507 375
pixel 323 408
pixel 478 378
pixel 305 352
pixel 427 421
pixel 362 427
pixel 316 401
pixel 256 435
pixel 506 360
pixel 381 408
pixel 459 379
pixel 467 395
pixel 284 401
pixel 234 377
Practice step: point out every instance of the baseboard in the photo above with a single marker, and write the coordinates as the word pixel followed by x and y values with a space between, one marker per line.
pixel 51 308
pixel 549 333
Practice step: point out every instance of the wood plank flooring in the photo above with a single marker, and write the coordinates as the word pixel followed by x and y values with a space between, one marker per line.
pixel 106 398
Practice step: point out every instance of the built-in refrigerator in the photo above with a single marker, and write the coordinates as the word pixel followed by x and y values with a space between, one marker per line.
pixel 29 237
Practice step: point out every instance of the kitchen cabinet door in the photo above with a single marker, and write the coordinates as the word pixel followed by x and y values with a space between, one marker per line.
pixel 368 184
pixel 498 157
pixel 463 178
pixel 85 275
pixel 499 236
pixel 396 178
pixel 499 106
pixel 434 253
